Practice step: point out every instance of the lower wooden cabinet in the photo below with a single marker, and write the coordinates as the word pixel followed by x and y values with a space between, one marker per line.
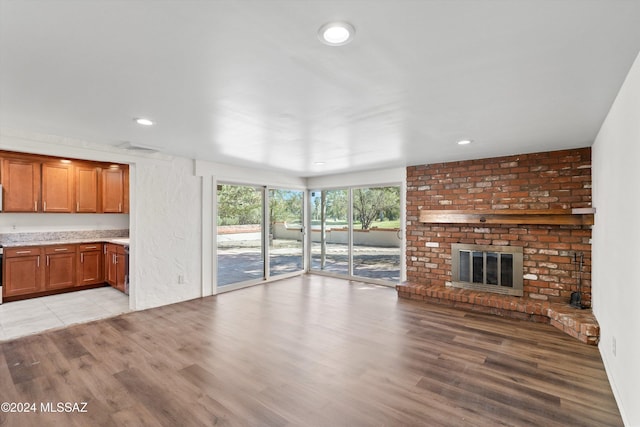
pixel 60 267
pixel 115 266
pixel 90 268
pixel 38 270
pixel 23 271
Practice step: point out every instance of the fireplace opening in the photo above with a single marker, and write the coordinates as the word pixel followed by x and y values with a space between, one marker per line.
pixel 487 268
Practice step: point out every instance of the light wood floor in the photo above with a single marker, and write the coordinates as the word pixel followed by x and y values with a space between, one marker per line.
pixel 307 351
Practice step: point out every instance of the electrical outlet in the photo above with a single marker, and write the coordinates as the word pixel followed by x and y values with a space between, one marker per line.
pixel 180 279
pixel 613 345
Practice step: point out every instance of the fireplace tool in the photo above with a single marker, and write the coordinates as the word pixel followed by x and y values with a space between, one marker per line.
pixel 576 297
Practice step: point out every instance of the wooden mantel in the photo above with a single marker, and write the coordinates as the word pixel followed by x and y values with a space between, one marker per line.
pixel 577 216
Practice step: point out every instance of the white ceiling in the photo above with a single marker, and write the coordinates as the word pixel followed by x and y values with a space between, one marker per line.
pixel 247 82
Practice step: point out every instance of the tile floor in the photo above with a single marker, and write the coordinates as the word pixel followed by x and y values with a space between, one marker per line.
pixel 20 318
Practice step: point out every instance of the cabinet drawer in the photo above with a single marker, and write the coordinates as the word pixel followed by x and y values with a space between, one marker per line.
pixel 59 249
pixel 21 251
pixel 86 247
pixel 112 247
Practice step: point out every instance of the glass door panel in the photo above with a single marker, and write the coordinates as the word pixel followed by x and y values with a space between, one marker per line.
pixel 377 236
pixel 285 231
pixel 240 250
pixel 330 231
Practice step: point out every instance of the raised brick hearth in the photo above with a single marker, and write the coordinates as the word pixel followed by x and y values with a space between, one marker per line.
pixel 580 324
pixel 521 183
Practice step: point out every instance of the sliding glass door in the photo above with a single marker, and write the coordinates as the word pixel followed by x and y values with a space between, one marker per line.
pixel 357 233
pixel 377 237
pixel 240 234
pixel 247 251
pixel 330 231
pixel 286 231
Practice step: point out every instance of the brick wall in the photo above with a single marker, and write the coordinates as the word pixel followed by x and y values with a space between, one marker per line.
pixel 548 180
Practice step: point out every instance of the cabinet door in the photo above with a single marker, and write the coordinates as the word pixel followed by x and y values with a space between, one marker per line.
pixel 86 184
pixel 22 275
pixel 112 190
pixel 120 271
pixel 57 187
pixel 60 271
pixel 21 185
pixel 111 268
pixel 90 270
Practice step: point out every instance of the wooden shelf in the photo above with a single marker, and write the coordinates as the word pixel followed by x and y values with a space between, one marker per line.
pixel 578 216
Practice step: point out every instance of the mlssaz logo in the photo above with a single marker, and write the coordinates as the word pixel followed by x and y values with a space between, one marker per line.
pixel 69 407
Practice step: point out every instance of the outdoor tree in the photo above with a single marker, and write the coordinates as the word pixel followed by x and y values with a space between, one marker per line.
pixel 370 204
pixel 284 206
pixel 239 205
pixel 337 202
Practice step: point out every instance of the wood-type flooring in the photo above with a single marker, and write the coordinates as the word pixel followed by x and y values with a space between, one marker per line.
pixel 305 351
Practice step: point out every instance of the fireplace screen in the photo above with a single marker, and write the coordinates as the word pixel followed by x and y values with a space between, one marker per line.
pixel 487 268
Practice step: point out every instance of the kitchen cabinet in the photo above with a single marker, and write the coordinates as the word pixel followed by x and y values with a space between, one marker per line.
pixel 115 266
pixel 23 271
pixel 20 184
pixel 60 267
pixel 113 180
pixel 41 270
pixel 90 269
pixel 57 187
pixel 86 188
pixel 34 183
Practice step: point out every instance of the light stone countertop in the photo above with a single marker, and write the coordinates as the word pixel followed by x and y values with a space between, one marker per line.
pixel 116 240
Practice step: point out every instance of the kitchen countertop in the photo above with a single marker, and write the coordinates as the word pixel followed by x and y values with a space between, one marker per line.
pixel 116 240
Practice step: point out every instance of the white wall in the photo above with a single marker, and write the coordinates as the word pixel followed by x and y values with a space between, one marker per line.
pixel 37 222
pixel 616 249
pixel 357 179
pixel 165 221
pixel 165 232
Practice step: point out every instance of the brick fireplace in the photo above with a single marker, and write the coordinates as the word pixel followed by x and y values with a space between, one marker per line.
pixel 537 182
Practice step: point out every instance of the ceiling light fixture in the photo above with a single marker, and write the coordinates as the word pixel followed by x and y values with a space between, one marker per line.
pixel 318 163
pixel 465 142
pixel 336 33
pixel 143 121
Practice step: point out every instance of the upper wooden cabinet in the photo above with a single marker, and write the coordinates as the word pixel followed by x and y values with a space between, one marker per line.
pixel 32 183
pixel 20 185
pixel 57 187
pixel 112 190
pixel 87 188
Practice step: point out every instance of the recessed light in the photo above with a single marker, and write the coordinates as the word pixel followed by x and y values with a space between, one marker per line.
pixel 144 122
pixel 465 142
pixel 336 33
pixel 318 163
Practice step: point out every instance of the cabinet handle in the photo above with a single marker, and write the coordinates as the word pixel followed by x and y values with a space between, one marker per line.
pixel 22 252
pixel 119 207
pixel 77 206
pixel 44 206
pixel 60 249
pixel 91 247
pixel 104 249
pixel 35 206
pixel 47 260
pixel 115 259
pixel 82 258
pixel 38 261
